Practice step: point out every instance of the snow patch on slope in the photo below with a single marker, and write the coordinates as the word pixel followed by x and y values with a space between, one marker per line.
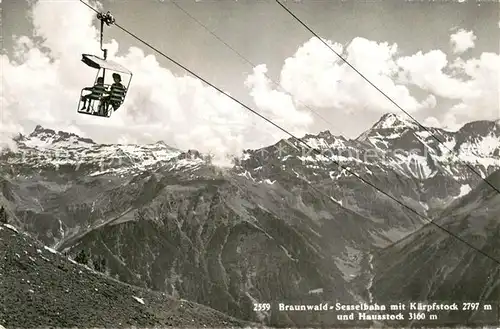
pixel 11 228
pixel 139 300
pixel 464 190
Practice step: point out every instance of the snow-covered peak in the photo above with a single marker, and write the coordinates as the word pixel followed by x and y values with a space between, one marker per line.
pixel 42 138
pixel 389 126
pixel 327 135
pixel 324 139
pixel 392 120
pixel 46 148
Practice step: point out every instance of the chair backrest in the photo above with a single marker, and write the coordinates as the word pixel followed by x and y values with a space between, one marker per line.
pixel 98 90
pixel 117 93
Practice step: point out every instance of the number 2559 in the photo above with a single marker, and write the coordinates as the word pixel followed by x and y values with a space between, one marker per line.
pixel 261 307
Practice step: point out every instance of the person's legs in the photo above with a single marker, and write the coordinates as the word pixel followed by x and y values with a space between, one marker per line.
pixel 84 99
pixel 93 99
pixel 103 105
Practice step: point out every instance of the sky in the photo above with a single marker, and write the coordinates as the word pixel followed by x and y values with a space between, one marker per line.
pixel 438 60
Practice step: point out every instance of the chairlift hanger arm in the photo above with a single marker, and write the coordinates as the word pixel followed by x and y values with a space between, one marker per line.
pixel 108 19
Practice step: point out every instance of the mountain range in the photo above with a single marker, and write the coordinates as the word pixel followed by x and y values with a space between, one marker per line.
pixel 283 225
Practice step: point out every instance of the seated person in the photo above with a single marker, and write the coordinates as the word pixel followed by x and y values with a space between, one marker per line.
pixel 96 92
pixel 116 94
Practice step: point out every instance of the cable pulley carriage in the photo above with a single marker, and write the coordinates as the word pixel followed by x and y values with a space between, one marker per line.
pixel 104 98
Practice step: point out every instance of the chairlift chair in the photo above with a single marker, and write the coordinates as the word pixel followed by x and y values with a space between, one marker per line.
pixel 95 105
pixel 103 65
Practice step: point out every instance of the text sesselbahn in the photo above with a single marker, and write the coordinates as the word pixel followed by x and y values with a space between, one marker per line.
pixel 437 313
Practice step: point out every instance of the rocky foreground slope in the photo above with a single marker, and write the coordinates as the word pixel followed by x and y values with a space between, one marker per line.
pixel 42 288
